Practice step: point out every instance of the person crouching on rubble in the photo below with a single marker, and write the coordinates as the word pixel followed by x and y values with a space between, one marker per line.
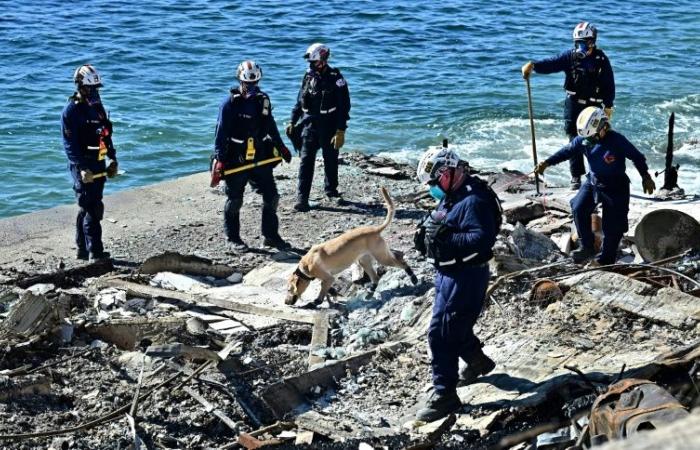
pixel 606 183
pixel 457 238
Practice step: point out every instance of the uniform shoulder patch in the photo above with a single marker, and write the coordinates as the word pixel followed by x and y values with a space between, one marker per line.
pixel 340 82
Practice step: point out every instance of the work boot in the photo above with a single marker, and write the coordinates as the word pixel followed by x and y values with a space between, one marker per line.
pixel 276 242
pixel 478 365
pixel 237 245
pixel 582 254
pixel 336 197
pixel 575 183
pixel 82 254
pixel 437 405
pixel 302 206
pixel 99 256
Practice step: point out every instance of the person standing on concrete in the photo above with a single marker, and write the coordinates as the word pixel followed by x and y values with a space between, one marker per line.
pixel 458 238
pixel 589 81
pixel 87 140
pixel 246 148
pixel 319 120
pixel 606 183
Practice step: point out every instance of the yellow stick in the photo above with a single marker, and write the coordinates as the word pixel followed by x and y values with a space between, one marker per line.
pixel 252 165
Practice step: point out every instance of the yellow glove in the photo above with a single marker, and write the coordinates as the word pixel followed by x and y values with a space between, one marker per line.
pixel 648 184
pixel 112 169
pixel 609 113
pixel 339 139
pixel 527 69
pixel 86 176
pixel 541 168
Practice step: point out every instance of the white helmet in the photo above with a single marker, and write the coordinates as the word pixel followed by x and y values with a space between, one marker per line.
pixel 590 121
pixel 249 71
pixel 434 162
pixel 86 75
pixel 317 52
pixel 585 31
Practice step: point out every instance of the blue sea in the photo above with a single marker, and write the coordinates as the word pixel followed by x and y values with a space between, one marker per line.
pixel 417 71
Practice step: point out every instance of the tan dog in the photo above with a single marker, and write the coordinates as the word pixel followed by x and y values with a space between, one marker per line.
pixel 360 245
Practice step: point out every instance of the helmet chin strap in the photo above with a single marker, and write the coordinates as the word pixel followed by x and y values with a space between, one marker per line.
pixel 452 179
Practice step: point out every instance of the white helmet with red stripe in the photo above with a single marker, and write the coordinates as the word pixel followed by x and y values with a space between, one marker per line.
pixel 87 75
pixel 585 31
pixel 434 162
pixel 249 71
pixel 317 52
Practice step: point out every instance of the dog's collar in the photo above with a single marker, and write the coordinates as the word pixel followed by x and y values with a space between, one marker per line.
pixel 302 275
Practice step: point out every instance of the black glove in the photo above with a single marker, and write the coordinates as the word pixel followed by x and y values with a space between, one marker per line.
pixel 419 240
pixel 285 153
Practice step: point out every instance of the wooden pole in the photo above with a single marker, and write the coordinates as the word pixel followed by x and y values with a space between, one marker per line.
pixel 532 134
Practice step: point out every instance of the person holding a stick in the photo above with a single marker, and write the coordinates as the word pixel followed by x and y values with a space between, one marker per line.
pixel 246 148
pixel 589 81
pixel 606 151
pixel 87 140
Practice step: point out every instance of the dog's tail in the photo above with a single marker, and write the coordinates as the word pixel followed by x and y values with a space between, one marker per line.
pixel 389 209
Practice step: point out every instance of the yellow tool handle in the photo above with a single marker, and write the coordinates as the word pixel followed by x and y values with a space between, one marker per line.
pixel 252 165
pixel 99 175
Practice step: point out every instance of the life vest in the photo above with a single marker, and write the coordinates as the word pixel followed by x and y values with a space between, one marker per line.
pixel 429 238
pixel 583 78
pixel 95 132
pixel 249 140
pixel 320 93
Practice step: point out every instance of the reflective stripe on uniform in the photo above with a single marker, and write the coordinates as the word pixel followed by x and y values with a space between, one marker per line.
pixel 453 261
pixel 322 111
pixel 237 141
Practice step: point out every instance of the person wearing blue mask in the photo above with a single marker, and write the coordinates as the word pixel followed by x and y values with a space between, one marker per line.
pixel 606 183
pixel 458 239
pixel 87 140
pixel 246 148
pixel 319 120
pixel 589 81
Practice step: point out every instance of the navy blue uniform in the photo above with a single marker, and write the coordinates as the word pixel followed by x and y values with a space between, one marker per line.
pixel 460 286
pixel 246 133
pixel 588 82
pixel 322 108
pixel 606 184
pixel 87 140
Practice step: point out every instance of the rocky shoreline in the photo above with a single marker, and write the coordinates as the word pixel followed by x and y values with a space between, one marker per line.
pixel 338 377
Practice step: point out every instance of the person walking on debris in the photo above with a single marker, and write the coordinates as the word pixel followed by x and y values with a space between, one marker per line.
pixel 247 147
pixel 319 120
pixel 589 81
pixel 606 183
pixel 457 238
pixel 87 140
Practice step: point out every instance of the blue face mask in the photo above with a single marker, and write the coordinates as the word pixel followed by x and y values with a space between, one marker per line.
pixel 436 192
pixel 581 48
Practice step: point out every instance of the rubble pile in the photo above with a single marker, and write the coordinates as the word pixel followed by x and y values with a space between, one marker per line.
pixel 172 348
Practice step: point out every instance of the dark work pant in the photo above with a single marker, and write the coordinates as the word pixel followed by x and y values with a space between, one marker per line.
pixel 571 111
pixel 263 182
pixel 310 145
pixel 459 297
pixel 88 230
pixel 615 202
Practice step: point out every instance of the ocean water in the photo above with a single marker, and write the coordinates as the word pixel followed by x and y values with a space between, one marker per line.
pixel 417 71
